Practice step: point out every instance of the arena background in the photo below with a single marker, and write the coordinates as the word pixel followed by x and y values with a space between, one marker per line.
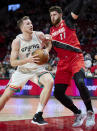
pixel 12 10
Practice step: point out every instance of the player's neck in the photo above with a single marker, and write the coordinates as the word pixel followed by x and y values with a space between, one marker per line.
pixel 27 36
pixel 59 23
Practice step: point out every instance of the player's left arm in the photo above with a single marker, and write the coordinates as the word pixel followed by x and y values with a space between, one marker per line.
pixel 76 9
pixel 46 40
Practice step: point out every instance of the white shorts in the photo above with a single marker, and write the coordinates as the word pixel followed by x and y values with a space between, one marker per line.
pixel 19 79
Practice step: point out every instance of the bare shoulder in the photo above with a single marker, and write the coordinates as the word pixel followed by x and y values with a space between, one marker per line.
pixel 15 44
pixel 40 35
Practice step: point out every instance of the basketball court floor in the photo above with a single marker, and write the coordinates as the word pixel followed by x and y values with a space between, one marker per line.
pixel 18 112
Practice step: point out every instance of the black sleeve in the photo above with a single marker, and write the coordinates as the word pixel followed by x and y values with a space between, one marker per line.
pixel 70 22
pixel 77 6
pixel 74 7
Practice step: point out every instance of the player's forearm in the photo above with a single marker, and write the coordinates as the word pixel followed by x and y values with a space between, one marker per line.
pixel 48 48
pixel 77 7
pixel 15 63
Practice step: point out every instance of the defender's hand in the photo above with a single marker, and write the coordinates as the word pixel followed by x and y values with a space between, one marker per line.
pixel 48 37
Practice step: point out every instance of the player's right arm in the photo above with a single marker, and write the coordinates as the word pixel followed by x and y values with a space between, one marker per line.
pixel 73 13
pixel 15 53
pixel 76 9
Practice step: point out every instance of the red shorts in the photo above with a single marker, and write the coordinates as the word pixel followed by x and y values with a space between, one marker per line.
pixel 67 66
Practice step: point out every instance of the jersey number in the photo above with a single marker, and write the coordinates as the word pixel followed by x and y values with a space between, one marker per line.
pixel 62 36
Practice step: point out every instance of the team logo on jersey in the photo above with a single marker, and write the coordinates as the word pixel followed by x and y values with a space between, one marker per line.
pixel 61 30
pixel 28 48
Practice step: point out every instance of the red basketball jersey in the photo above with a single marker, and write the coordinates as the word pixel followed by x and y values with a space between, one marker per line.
pixel 65 38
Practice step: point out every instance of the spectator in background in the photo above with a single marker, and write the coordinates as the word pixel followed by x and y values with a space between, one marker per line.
pixel 94 61
pixel 1 65
pixel 94 54
pixel 94 67
pixel 7 58
pixel 95 73
pixel 2 72
pixel 88 64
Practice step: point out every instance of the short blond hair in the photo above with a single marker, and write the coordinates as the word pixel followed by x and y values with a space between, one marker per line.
pixel 20 21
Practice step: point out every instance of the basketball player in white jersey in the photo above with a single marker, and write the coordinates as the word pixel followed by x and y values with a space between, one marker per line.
pixel 27 69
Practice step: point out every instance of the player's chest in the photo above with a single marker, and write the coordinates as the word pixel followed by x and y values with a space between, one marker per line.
pixel 60 33
pixel 29 46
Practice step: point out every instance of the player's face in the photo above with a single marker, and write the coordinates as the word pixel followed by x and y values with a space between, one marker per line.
pixel 27 26
pixel 55 17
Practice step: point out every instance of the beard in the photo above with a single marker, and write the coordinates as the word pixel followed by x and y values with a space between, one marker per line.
pixel 56 22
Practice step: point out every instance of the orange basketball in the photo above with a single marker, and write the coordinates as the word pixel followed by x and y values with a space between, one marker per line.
pixel 43 55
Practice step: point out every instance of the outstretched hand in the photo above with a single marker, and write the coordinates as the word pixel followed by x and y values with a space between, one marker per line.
pixel 48 37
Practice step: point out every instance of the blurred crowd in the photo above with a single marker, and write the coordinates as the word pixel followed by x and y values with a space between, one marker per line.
pixel 38 12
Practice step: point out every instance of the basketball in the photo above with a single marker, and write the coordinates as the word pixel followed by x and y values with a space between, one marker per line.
pixel 43 55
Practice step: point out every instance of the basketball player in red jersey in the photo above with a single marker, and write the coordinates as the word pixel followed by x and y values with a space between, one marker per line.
pixel 71 62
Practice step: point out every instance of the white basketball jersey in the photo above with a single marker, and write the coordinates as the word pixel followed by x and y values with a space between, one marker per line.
pixel 27 47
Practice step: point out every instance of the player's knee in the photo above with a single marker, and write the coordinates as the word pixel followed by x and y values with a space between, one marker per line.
pixel 48 82
pixel 80 84
pixel 59 90
pixel 51 81
pixel 79 79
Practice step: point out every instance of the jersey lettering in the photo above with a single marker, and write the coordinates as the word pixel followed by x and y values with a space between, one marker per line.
pixel 28 48
pixel 58 32
pixel 62 36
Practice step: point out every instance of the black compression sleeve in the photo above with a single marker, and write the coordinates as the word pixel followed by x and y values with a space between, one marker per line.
pixel 70 22
pixel 77 7
pixel 74 7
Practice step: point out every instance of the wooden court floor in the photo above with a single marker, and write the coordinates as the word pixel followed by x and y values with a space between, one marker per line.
pixel 22 109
